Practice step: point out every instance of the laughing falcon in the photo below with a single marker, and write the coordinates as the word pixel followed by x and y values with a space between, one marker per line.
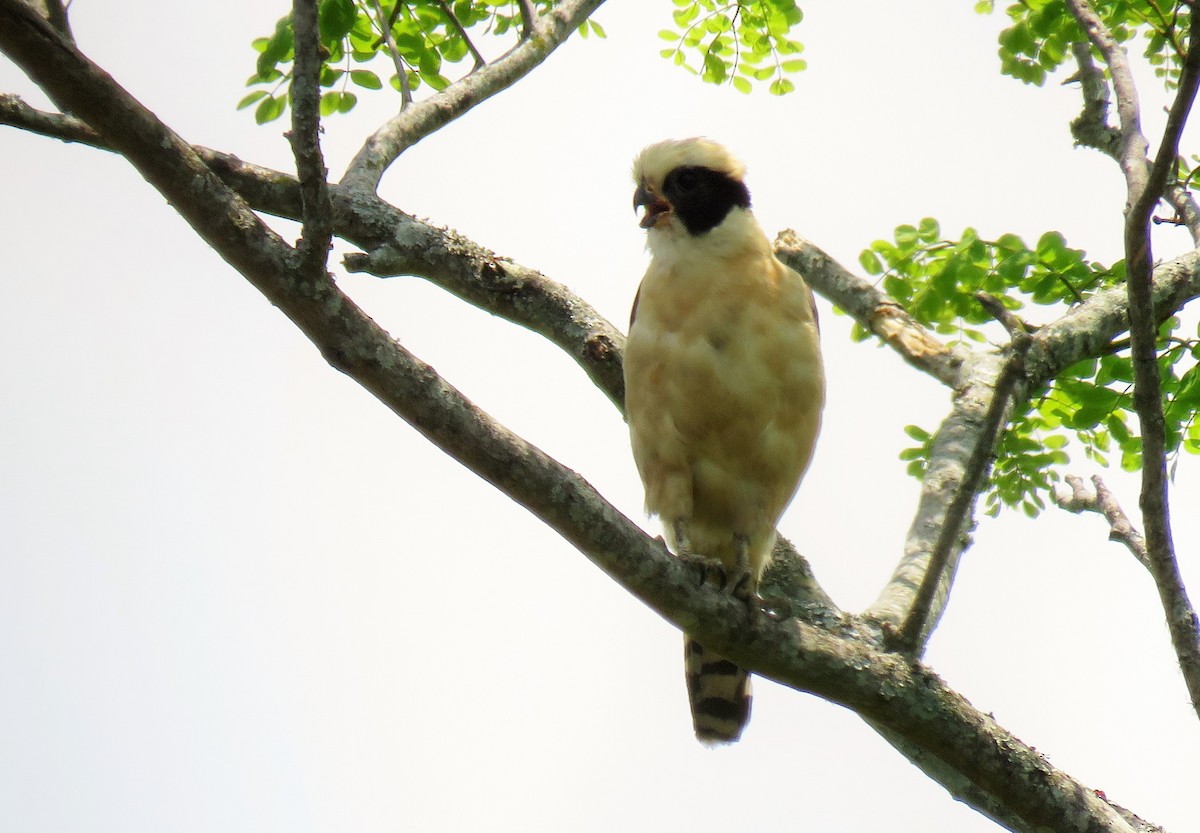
pixel 723 389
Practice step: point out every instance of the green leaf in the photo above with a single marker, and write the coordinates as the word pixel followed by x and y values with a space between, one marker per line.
pixel 870 262
pixel 269 109
pixel 335 19
pixel 366 79
pixel 251 98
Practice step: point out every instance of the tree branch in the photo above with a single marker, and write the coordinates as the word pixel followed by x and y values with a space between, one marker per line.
pixel 1144 188
pixel 1091 129
pixel 16 113
pixel 922 615
pixel 385 26
pixel 873 310
pixel 456 264
pixel 950 465
pixel 55 14
pixel 402 245
pixel 462 32
pixel 830 657
pixel 1103 502
pixel 528 18
pixel 305 139
pixel 168 163
pixel 427 116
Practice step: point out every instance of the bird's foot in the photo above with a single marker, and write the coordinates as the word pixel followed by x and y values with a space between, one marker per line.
pixel 744 586
pixel 740 589
pixel 777 609
pixel 708 570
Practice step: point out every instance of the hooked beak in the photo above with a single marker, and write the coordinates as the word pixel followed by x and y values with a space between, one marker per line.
pixel 654 204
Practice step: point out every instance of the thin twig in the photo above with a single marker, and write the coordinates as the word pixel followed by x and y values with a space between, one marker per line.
pixel 1103 502
pixel 305 138
pixel 1013 323
pixel 385 25
pixel 462 32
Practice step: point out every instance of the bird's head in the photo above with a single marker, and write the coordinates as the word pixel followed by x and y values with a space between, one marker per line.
pixel 688 185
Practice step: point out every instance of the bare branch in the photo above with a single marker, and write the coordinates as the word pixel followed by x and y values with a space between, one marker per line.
pixel 950 461
pixel 402 245
pixel 922 615
pixel 429 115
pixel 1103 502
pixel 873 310
pixel 1145 187
pixel 1131 143
pixel 1091 129
pixel 16 113
pixel 1147 392
pixel 305 139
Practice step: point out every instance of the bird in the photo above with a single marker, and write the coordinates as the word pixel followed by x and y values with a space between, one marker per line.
pixel 724 390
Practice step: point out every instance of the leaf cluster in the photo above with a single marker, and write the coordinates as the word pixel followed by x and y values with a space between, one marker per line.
pixel 422 38
pixel 1042 31
pixel 937 279
pixel 737 43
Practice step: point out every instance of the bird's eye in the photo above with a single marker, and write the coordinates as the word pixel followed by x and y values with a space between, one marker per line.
pixel 687 179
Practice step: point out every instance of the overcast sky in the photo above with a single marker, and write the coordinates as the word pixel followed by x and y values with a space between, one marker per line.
pixel 237 594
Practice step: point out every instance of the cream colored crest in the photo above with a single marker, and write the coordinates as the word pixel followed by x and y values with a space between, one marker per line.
pixel 656 161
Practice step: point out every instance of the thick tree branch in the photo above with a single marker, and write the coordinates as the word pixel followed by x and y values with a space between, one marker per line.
pixel 1147 392
pixel 305 138
pixel 1087 329
pixel 829 656
pixel 421 119
pixel 951 465
pixel 873 310
pixel 400 244
pixel 922 615
pixel 55 13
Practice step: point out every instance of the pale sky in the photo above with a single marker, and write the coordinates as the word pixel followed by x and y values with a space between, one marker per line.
pixel 238 594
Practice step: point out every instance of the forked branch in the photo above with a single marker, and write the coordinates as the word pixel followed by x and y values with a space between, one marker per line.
pixel 1144 188
pixel 1103 502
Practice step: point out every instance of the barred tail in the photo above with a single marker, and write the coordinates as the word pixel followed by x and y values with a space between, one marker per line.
pixel 719 693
